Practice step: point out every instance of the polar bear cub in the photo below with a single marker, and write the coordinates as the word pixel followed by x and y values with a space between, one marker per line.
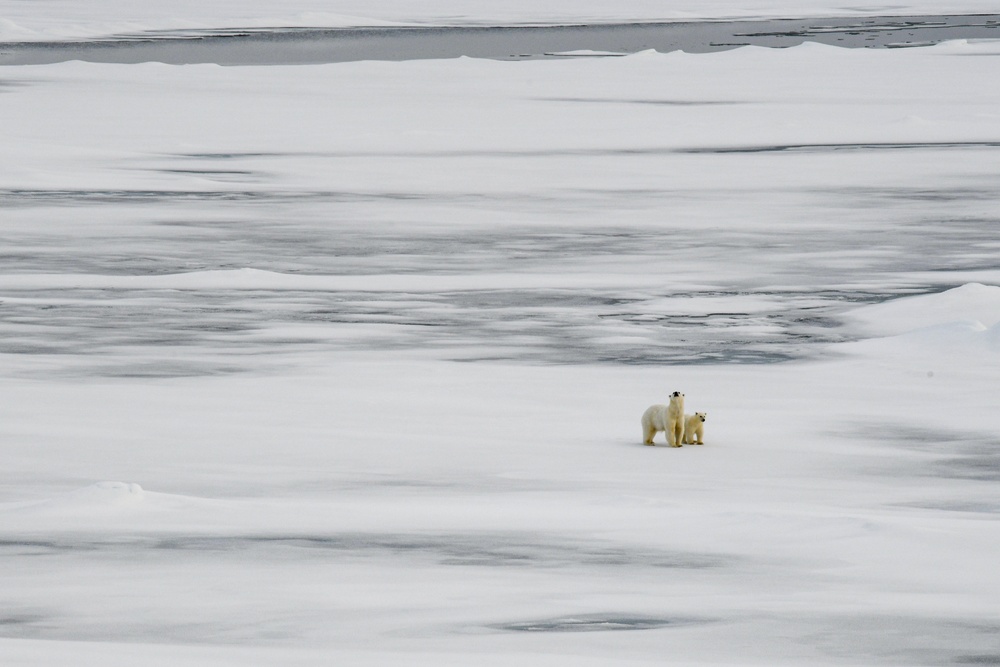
pixel 666 418
pixel 694 428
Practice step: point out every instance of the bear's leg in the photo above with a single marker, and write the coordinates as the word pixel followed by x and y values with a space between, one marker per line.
pixel 647 434
pixel 675 435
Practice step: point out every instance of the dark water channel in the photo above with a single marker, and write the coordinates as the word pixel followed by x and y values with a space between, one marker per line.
pixel 287 46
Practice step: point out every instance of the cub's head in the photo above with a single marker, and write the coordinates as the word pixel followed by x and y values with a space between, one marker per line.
pixel 701 416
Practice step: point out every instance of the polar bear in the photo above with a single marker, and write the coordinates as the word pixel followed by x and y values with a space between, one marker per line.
pixel 666 418
pixel 694 428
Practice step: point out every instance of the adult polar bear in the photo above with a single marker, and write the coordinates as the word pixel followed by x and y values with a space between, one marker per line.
pixel 666 418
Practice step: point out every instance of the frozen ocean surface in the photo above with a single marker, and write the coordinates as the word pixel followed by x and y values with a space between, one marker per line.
pixel 70 20
pixel 645 209
pixel 344 364
pixel 297 45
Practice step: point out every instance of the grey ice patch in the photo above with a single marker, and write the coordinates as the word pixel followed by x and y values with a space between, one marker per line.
pixel 829 148
pixel 459 549
pixel 954 454
pixel 23 623
pixel 8 86
pixel 979 659
pixel 218 175
pixel 653 102
pixel 907 640
pixel 481 550
pixel 595 623
pixel 929 195
pixel 18 619
pixel 26 198
pixel 971 507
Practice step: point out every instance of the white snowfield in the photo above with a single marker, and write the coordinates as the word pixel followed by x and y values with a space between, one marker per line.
pixel 381 509
pixel 69 19
pixel 371 498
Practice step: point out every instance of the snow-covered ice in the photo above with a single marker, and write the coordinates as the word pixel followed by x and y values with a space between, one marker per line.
pixel 344 364
pixel 632 200
pixel 841 512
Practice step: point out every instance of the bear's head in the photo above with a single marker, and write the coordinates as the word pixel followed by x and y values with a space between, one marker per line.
pixel 677 394
pixel 701 415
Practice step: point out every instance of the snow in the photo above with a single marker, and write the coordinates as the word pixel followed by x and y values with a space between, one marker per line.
pixel 973 301
pixel 961 322
pixel 344 364
pixel 255 279
pixel 374 507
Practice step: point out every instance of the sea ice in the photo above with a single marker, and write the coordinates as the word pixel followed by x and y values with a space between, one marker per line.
pixel 196 261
